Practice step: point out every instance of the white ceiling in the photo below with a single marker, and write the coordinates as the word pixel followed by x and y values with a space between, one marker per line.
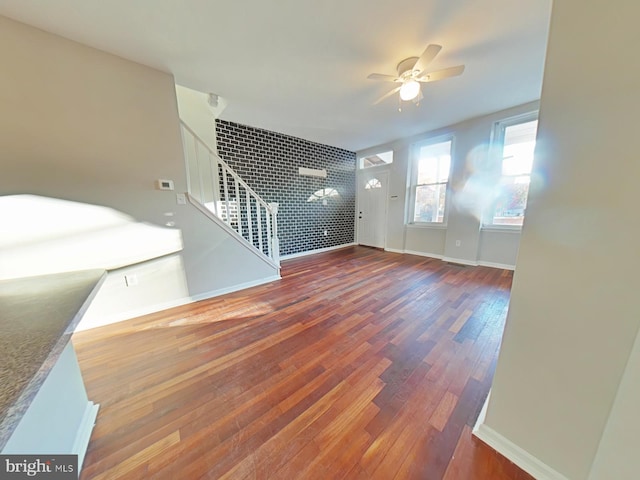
pixel 299 66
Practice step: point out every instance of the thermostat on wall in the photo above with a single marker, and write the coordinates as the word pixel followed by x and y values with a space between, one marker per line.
pixel 164 184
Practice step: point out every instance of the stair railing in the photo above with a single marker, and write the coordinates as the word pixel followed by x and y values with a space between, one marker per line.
pixel 213 183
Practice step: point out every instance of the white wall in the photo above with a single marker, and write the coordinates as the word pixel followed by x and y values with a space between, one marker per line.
pixel 80 124
pixel 498 247
pixel 196 111
pixel 573 314
pixel 42 235
pixel 473 174
pixel 617 455
pixel 147 287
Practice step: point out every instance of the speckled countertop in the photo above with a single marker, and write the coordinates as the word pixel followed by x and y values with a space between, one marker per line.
pixel 37 317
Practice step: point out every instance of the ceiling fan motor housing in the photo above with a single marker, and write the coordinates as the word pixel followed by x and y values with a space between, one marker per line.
pixel 405 67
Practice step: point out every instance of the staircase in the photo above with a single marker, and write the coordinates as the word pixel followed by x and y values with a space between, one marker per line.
pixel 220 193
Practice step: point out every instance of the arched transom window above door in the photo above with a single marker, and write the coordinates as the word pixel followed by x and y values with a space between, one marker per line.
pixel 373 183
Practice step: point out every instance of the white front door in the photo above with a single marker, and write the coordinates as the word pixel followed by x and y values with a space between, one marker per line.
pixel 372 208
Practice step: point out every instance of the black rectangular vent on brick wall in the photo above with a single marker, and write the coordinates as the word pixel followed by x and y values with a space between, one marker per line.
pixel 269 162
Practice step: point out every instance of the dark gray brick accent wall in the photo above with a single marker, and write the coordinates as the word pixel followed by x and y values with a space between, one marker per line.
pixel 269 161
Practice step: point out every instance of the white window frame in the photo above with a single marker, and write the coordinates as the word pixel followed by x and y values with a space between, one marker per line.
pixel 413 178
pixel 379 152
pixel 497 152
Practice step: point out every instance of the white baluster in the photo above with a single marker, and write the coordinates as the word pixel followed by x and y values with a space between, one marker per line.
pixel 258 208
pixel 215 183
pixel 249 226
pixel 275 242
pixel 238 208
pixel 268 217
pixel 195 147
pixel 185 150
pixel 226 195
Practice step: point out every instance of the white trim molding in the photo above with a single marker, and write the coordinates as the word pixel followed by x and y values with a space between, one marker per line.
pixel 523 459
pixel 490 228
pixel 503 266
pixel 424 254
pixel 414 252
pixel 460 261
pixel 231 289
pixel 512 452
pixel 178 302
pixel 81 443
pixel 427 225
pixel 313 252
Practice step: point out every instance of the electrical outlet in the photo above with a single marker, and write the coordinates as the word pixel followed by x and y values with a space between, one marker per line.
pixel 458 243
pixel 181 199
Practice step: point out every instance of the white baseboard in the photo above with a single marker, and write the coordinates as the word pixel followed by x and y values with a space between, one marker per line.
pixel 424 254
pixel 178 302
pixel 414 252
pixel 81 443
pixel 474 263
pixel 503 266
pixel 234 288
pixel 482 414
pixel 523 459
pixel 461 261
pixel 313 252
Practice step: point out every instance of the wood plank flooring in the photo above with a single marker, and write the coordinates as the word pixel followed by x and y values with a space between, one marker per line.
pixel 358 364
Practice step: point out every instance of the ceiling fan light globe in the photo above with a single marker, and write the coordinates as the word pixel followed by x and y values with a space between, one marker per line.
pixel 409 90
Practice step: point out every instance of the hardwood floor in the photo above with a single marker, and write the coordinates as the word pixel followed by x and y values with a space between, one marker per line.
pixel 358 364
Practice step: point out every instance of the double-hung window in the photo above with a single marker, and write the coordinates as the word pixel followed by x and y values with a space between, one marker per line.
pixel 430 178
pixel 515 139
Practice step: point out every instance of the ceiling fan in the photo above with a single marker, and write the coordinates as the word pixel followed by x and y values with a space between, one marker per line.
pixel 412 72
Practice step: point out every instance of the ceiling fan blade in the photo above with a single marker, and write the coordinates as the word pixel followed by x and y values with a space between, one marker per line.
pixel 387 95
pixel 383 77
pixel 427 57
pixel 440 74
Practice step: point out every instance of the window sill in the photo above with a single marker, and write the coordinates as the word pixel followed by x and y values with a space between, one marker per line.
pixel 502 228
pixel 427 225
